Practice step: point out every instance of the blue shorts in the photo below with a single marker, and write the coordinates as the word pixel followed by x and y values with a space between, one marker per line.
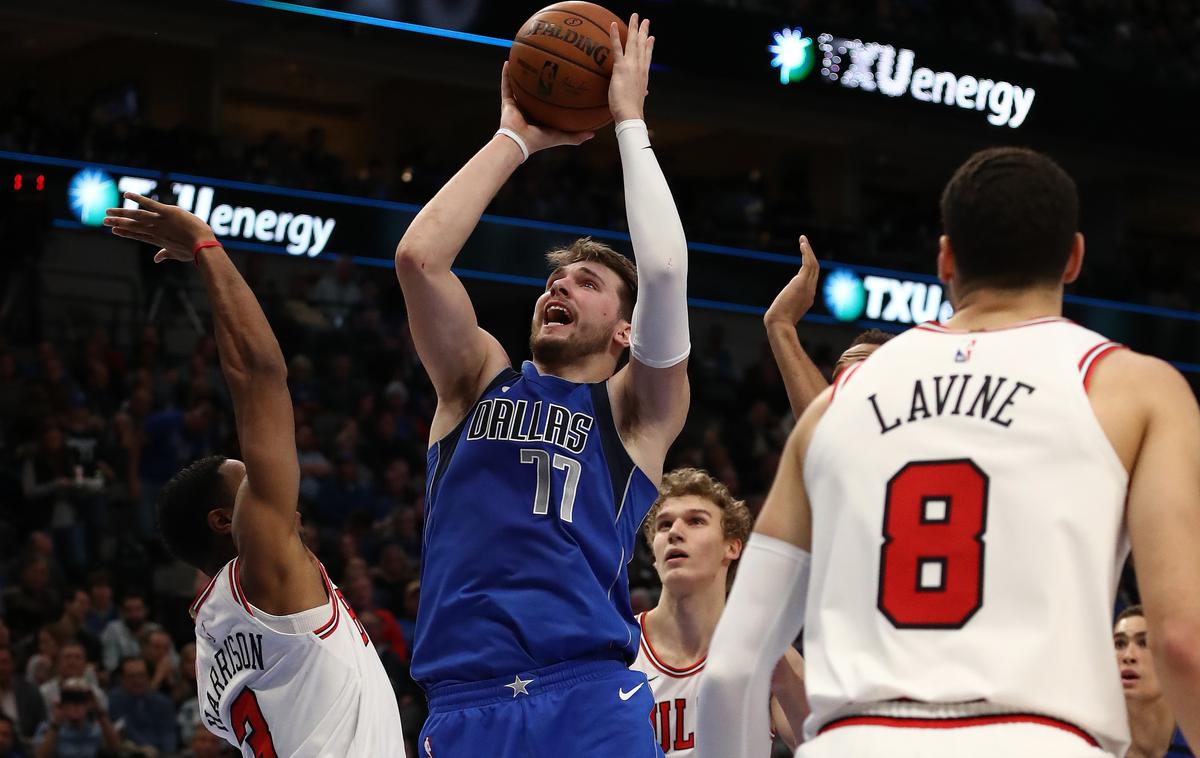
pixel 598 709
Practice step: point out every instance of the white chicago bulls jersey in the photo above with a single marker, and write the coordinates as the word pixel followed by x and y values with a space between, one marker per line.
pixel 675 690
pixel 968 536
pixel 305 685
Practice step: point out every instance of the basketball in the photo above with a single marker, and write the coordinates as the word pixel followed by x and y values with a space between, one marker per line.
pixel 560 65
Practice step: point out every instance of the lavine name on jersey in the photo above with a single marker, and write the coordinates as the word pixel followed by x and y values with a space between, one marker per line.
pixel 967 395
pixel 238 652
pixel 501 419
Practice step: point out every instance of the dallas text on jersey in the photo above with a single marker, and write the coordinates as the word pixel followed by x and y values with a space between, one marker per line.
pixel 238 652
pixel 502 419
pixel 955 395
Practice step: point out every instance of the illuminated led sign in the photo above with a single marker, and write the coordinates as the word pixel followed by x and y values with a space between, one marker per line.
pixel 301 233
pixel 850 297
pixel 876 67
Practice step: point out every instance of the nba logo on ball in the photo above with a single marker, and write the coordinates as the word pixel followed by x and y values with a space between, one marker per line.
pixel 91 193
pixel 845 296
pixel 546 80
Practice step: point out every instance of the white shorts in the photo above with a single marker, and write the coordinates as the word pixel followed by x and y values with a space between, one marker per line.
pixel 992 741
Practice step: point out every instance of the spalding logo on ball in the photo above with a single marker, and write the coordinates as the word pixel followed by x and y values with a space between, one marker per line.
pixel 560 66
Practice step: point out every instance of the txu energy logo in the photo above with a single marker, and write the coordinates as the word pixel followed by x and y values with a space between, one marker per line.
pixel 794 55
pixel 881 298
pixel 91 192
pixel 844 294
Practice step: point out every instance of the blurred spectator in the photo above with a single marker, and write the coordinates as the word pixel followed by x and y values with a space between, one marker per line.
pixel 20 701
pixel 337 293
pixel 315 468
pixel 73 622
pixel 48 641
pixel 158 651
pixel 78 726
pixel 391 576
pixel 10 744
pixel 148 716
pixel 72 665
pixel 204 744
pixel 186 694
pixel 101 609
pixel 360 592
pixel 120 637
pixel 33 601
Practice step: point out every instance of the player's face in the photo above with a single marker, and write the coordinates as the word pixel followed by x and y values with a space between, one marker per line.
pixel 1138 677
pixel 578 315
pixel 853 355
pixel 690 547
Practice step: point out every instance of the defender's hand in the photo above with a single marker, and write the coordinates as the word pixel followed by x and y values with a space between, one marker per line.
pixel 172 228
pixel 536 137
pixel 794 300
pixel 631 70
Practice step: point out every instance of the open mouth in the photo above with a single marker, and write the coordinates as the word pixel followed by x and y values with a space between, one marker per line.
pixel 1128 676
pixel 674 554
pixel 557 315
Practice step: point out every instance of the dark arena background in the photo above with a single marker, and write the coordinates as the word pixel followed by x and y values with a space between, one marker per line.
pixel 309 134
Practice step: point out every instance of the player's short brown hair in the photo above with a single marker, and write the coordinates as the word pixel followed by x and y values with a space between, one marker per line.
pixel 1131 611
pixel 1011 214
pixel 735 516
pixel 872 337
pixel 588 249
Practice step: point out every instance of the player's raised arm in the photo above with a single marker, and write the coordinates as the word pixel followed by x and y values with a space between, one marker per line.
pixel 276 569
pixel 801 376
pixel 653 389
pixel 759 623
pixel 1163 515
pixel 459 356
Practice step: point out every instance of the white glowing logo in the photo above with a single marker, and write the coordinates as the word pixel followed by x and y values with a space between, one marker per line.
pixel 793 55
pixel 92 192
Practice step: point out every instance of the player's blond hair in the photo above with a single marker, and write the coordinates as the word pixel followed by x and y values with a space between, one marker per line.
pixel 588 249
pixel 735 516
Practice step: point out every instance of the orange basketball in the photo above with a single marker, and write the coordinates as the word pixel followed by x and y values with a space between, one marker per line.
pixel 560 65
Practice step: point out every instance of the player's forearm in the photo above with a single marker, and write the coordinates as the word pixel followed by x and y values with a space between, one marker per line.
pixel 801 377
pixel 247 345
pixel 440 230
pixel 1177 657
pixel 660 321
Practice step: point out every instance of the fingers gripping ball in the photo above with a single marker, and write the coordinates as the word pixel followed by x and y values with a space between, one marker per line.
pixel 560 66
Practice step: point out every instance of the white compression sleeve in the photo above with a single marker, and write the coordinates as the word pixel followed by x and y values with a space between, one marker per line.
pixel 660 319
pixel 764 613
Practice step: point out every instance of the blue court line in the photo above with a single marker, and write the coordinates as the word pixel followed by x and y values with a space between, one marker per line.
pixel 357 18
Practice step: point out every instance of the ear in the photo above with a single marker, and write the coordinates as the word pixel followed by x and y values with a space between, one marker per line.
pixel 220 520
pixel 733 549
pixel 623 334
pixel 945 261
pixel 1074 260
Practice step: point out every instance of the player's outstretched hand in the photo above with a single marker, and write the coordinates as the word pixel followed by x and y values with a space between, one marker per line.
pixel 794 300
pixel 173 229
pixel 631 70
pixel 536 137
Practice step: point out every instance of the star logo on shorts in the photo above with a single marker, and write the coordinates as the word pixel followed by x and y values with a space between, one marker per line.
pixel 519 685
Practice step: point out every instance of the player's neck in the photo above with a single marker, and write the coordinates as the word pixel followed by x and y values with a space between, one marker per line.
pixel 1151 726
pixel 996 308
pixel 587 370
pixel 683 623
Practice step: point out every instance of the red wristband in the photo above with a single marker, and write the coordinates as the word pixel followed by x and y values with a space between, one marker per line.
pixel 200 246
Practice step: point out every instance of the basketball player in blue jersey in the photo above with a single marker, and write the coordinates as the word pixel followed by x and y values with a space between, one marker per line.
pixel 539 478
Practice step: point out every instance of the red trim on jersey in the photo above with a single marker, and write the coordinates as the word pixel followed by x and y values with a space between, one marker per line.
pixel 844 378
pixel 330 626
pixel 960 722
pixel 1087 375
pixel 236 582
pixel 1083 361
pixel 936 326
pixel 657 662
pixel 194 608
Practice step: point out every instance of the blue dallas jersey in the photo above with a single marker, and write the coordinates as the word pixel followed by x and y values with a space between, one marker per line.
pixel 532 509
